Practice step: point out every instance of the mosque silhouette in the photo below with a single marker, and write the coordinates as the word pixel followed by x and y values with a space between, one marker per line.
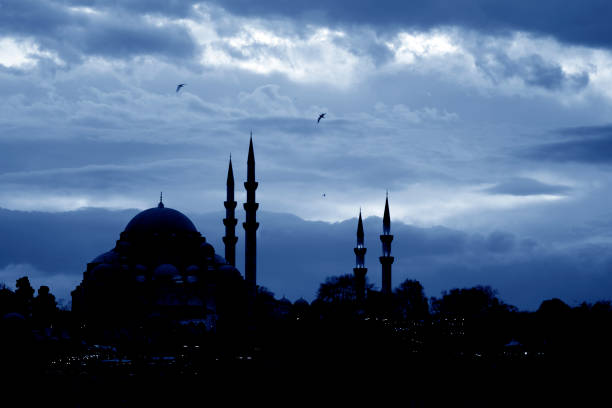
pixel 161 266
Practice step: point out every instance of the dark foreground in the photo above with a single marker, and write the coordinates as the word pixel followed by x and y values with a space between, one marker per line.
pixel 280 379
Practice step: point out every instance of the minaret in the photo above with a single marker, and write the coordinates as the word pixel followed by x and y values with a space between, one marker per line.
pixel 251 224
pixel 386 259
pixel 360 270
pixel 230 221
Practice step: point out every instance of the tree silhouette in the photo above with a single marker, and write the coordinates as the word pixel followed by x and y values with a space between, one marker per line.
pixel 555 323
pixel 593 328
pixel 7 300
pixel 338 297
pixel 474 318
pixel 44 307
pixel 24 295
pixel 411 300
pixel 469 302
pixel 338 289
pixel 265 304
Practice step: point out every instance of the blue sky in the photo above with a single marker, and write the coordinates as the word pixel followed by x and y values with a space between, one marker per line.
pixel 487 118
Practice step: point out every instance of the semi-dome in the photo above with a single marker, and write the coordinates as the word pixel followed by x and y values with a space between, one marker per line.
pixel 160 220
pixel 109 257
pixel 166 270
pixel 103 268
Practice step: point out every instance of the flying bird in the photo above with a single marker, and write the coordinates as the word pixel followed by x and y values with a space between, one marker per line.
pixel 179 86
pixel 321 116
pixel 323 195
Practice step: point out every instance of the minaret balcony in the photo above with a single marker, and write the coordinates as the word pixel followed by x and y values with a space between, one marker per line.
pixel 230 205
pixel 386 239
pixel 230 240
pixel 248 225
pixel 386 260
pixel 251 185
pixel 360 251
pixel 230 222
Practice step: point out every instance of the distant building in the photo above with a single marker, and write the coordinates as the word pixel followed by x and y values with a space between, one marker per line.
pixel 360 270
pixel 162 267
pixel 386 260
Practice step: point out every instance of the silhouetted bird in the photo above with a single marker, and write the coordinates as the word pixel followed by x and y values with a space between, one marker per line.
pixel 323 194
pixel 321 116
pixel 179 86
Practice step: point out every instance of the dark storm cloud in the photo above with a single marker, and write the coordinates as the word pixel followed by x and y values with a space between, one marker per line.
pixel 604 131
pixel 118 39
pixel 36 155
pixel 420 242
pixel 499 241
pixel 587 145
pixel 586 22
pixel 442 241
pixel 533 70
pixel 365 43
pixel 73 35
pixel 522 186
pixel 33 17
pixel 101 179
pixel 61 244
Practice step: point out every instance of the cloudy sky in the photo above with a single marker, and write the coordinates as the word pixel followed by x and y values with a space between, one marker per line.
pixel 487 122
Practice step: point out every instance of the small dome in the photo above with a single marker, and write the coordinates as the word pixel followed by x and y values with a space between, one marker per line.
pixel 226 267
pixel 193 269
pixel 165 270
pixel 219 260
pixel 103 269
pixel 194 301
pixel 107 258
pixel 207 250
pixel 160 220
pixel 140 268
pixel 13 316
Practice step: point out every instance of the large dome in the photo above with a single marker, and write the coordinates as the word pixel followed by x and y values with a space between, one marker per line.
pixel 160 220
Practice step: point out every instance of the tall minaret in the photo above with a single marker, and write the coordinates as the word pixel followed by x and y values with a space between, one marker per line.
pixel 251 224
pixel 386 259
pixel 230 220
pixel 360 270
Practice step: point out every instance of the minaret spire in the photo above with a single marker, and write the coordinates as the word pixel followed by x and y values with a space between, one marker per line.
pixel 250 225
pixel 230 176
pixel 386 260
pixel 360 235
pixel 360 270
pixel 251 161
pixel 230 220
pixel 387 217
pixel 161 201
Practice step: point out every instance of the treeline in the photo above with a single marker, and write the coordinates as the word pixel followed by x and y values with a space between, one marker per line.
pixel 33 329
pixel 466 345
pixel 22 304
pixel 462 322
pixel 469 323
